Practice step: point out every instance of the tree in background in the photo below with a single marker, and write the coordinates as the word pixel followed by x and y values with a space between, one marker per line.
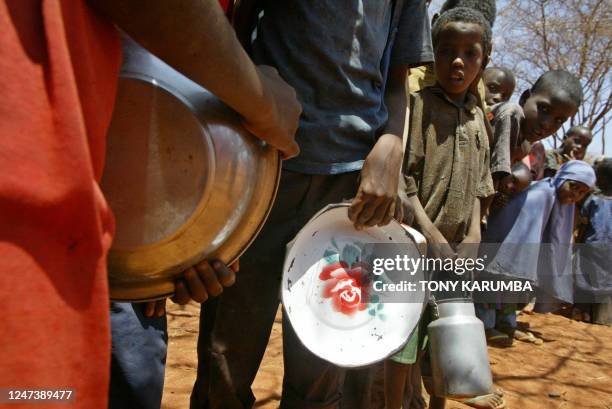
pixel 535 36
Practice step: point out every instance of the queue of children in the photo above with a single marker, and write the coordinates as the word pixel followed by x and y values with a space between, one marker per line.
pixel 465 167
pixel 541 214
pixel 535 231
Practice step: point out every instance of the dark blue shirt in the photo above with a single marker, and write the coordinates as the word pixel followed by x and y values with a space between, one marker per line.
pixel 336 54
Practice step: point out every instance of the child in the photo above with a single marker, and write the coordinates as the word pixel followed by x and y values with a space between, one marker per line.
pixel 535 233
pixel 424 76
pixel 541 111
pixel 499 85
pixel 554 98
pixel 511 184
pixel 575 144
pixel 447 158
pixel 593 257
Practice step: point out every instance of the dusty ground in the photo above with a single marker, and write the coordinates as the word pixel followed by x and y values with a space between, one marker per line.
pixel 574 364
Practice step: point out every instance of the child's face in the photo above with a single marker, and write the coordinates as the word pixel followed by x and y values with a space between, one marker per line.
pixel 458 56
pixel 572 192
pixel 498 86
pixel 515 182
pixel 545 112
pixel 576 143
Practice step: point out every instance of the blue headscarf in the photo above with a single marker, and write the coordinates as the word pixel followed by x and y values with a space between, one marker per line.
pixel 575 170
pixel 535 232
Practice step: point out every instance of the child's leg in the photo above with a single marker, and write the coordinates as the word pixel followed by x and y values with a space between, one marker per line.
pixel 434 401
pixel 486 313
pixel 397 371
pixel 395 379
pixel 138 357
pixel 506 318
pixel 413 393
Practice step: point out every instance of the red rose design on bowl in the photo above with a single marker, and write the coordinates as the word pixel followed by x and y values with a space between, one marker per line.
pixel 347 287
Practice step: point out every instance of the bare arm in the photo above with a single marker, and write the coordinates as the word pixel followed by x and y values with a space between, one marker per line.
pixel 420 217
pixel 474 230
pixel 195 38
pixel 396 101
pixel 376 199
pixel 468 248
pixel 438 245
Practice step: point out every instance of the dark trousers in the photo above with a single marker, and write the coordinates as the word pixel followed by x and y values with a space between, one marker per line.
pixel 138 358
pixel 235 328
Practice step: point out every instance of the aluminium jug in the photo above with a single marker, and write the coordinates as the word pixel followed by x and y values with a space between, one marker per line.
pixel 458 349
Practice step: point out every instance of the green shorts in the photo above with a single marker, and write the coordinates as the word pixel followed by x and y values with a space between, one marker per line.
pixel 408 354
pixel 417 340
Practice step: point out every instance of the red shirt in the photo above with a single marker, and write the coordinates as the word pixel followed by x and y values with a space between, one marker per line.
pixel 58 76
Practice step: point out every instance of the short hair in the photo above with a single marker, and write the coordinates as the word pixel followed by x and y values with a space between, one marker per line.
pixel 507 72
pixel 560 79
pixel 464 15
pixel 603 171
pixel 486 7
pixel 575 129
pixel 519 166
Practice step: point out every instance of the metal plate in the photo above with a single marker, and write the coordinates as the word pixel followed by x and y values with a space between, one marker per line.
pixel 184 179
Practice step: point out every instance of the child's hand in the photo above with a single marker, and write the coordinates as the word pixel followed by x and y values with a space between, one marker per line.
pixel 204 279
pixel 155 308
pixel 437 245
pixel 196 283
pixel 484 221
pixel 375 201
pixel 468 248
pixel 404 211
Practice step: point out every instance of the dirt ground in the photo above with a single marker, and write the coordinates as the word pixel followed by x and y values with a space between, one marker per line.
pixel 572 370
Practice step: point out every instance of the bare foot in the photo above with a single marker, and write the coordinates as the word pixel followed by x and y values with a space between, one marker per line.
pixel 491 401
pixel 579 315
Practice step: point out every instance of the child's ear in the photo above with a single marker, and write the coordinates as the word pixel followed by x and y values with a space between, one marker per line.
pixel 485 61
pixel 524 97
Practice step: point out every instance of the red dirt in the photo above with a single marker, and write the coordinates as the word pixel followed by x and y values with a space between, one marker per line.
pixel 575 363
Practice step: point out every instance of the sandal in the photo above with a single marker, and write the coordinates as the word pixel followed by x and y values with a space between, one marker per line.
pixel 527 337
pixel 497 338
